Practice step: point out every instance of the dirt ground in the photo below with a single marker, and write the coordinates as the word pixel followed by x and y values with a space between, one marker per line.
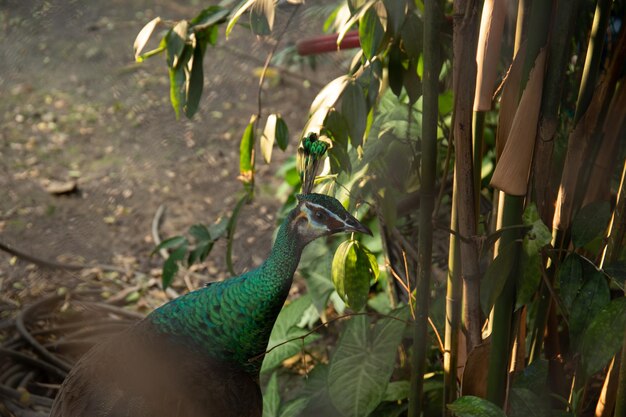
pixel 75 107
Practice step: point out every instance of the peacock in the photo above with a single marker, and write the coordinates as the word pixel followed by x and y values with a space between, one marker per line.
pixel 201 354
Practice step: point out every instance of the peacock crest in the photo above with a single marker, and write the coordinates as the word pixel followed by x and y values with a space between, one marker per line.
pixel 310 155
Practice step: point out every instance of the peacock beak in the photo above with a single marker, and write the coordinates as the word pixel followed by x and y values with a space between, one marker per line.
pixel 351 224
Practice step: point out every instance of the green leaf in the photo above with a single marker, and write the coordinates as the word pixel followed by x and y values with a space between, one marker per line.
pixel 170 266
pixel 396 11
pixel 282 133
pixel 570 279
pixel 496 275
pixel 445 102
pixel 396 70
pixel 354 110
pixel 200 232
pixel 353 265
pixel 178 82
pixel 196 83
pixel 535 239
pixel 363 363
pixel 412 35
pixel 371 33
pixel 175 43
pixel 617 271
pixel 592 298
pixel 271 398
pixel 533 377
pixel 470 406
pixel 286 329
pixel 262 17
pixel 525 403
pixel 411 82
pixel 246 153
pixel 268 137
pixel 294 407
pixel 320 287
pixel 172 242
pixel 590 222
pixel 604 336
pixel 144 35
pixel 397 391
pixel 235 17
pixel 210 16
pixel 200 253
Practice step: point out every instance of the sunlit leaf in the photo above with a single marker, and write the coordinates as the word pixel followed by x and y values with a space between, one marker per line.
pixel 370 33
pixel 590 222
pixel 604 336
pixel 469 406
pixel 144 36
pixel 353 266
pixel 235 17
pixel 323 102
pixel 354 110
pixel 178 82
pixel 341 33
pixel 268 138
pixel 363 362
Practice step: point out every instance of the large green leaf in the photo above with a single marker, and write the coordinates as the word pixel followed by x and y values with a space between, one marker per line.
pixel 593 297
pixel 210 16
pixel 496 275
pixel 353 265
pixel 397 391
pixel 570 279
pixel 271 398
pixel 590 222
pixel 354 110
pixel 604 336
pixel 371 33
pixel 363 362
pixel 286 329
pixel 525 403
pixel 178 82
pixel 282 133
pixel 412 35
pixel 470 406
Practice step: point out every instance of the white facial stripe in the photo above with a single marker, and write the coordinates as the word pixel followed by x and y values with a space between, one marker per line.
pixel 330 213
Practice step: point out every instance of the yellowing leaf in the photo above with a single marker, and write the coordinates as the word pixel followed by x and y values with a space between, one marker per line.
pixel 268 137
pixel 144 35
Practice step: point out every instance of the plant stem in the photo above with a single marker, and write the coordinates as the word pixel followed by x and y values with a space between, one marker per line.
pixel 464 79
pixel 454 294
pixel 432 13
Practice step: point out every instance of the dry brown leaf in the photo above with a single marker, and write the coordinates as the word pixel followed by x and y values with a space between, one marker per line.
pixel 509 99
pixel 475 373
pixel 488 52
pixel 513 167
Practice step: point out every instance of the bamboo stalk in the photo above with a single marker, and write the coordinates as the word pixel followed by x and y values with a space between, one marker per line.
pixel 464 67
pixel 432 16
pixel 510 214
pixel 454 294
pixel 592 60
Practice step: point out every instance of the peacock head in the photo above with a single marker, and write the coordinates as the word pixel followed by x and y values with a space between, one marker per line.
pixel 318 215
